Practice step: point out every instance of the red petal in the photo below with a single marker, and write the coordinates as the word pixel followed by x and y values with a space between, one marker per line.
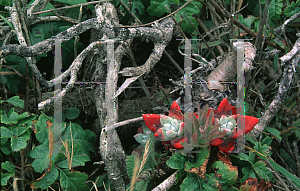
pixel 227 147
pixel 152 121
pixel 175 112
pixel 159 134
pixel 225 108
pixel 250 122
pixel 140 130
pixel 176 143
pixel 216 142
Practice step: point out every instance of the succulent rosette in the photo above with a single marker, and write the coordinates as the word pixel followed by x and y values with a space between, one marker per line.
pixel 167 129
pixel 213 126
pixel 228 119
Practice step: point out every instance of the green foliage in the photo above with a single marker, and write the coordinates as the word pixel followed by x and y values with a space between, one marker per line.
pixel 52 155
pixel 72 113
pixel 190 183
pixel 228 175
pixel 292 9
pixel 177 161
pixel 145 164
pixel 8 167
pixel 16 127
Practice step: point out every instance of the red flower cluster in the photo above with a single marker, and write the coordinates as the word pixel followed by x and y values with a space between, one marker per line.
pixel 168 129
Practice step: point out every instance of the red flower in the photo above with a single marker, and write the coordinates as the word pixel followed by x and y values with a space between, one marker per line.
pixel 225 109
pixel 168 129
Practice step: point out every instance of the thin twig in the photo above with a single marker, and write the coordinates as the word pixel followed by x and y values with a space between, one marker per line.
pixel 71 6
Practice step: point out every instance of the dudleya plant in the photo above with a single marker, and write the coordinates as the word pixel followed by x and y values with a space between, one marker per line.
pixel 143 134
pixel 227 124
pixel 209 128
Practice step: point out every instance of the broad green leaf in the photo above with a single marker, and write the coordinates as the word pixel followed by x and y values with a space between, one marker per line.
pixel 19 130
pixel 7 166
pixel 73 180
pixel 77 160
pixel 249 138
pixel 228 174
pixel 190 183
pixel 5 2
pixel 83 141
pixel 5 146
pixel 260 168
pixel 72 113
pixel 252 156
pixel 41 155
pixel 16 101
pixel 5 132
pixel 158 8
pixel 248 172
pixel 189 10
pixel 209 184
pixel 18 143
pixel 267 140
pixel 293 9
pixel 177 161
pixel 47 180
pixel 5 178
pixel 274 132
pixel 275 9
pixel 244 157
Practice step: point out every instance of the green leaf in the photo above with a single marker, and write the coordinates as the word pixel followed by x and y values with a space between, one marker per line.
pixel 5 2
pixel 5 178
pixel 18 143
pixel 19 130
pixel 209 184
pixel 7 166
pixel 293 9
pixel 286 173
pixel 72 113
pixel 83 141
pixel 158 8
pixel 5 146
pixel 71 2
pixel 41 155
pixel 47 180
pixel 77 160
pixel 16 101
pixel 190 183
pixel 177 161
pixel 244 157
pixel 73 180
pixel 7 22
pixel 248 172
pixel 228 174
pixel 275 8
pixel 249 138
pixel 274 132
pixel 189 10
pixel 5 132
pixel 267 140
pixel 288 159
pixel 260 168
